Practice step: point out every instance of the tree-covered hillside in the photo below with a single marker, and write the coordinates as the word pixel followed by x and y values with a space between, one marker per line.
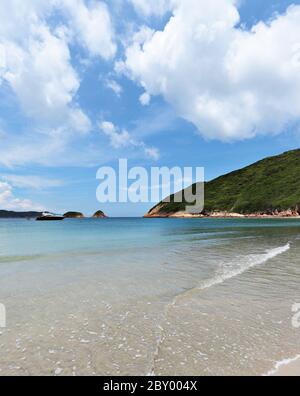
pixel 268 185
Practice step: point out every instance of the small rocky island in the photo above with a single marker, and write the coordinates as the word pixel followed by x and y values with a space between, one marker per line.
pixel 74 215
pixel 5 214
pixel 78 215
pixel 99 215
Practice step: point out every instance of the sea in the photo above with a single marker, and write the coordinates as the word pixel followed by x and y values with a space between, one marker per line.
pixel 149 296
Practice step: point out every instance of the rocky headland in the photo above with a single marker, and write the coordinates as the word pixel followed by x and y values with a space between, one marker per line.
pixel 270 188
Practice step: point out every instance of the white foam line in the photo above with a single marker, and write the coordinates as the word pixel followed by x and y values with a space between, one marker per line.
pixel 280 364
pixel 253 261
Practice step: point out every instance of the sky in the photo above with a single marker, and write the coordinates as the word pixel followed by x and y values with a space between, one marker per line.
pixel 185 83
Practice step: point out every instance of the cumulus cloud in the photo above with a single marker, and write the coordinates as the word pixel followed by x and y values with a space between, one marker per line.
pixel 35 55
pixel 122 138
pixel 89 23
pixel 229 82
pixel 18 16
pixel 92 26
pixel 44 80
pixel 8 201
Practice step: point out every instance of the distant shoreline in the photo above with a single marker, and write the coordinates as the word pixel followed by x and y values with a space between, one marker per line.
pixel 222 215
pixel 10 214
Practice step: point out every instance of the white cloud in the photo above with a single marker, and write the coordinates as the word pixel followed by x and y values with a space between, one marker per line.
pixel 230 83
pixel 87 22
pixel 18 16
pixel 117 138
pixel 114 86
pixel 145 99
pixel 122 138
pixel 35 55
pixel 92 26
pixel 8 201
pixel 31 181
pixel 44 80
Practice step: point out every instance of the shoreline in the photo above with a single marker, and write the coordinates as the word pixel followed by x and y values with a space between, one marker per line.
pixel 286 368
pixel 220 216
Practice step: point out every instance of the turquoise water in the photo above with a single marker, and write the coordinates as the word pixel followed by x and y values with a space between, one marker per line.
pixel 148 296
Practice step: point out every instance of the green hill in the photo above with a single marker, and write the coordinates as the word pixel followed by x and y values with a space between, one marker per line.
pixel 265 187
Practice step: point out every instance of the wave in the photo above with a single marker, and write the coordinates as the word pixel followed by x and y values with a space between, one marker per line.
pixel 233 269
pixel 253 260
pixel 226 272
pixel 282 363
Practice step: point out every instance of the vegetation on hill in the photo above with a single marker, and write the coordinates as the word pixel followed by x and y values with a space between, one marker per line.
pixel 270 185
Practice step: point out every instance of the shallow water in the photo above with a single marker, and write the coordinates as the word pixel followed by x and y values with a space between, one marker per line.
pixel 148 296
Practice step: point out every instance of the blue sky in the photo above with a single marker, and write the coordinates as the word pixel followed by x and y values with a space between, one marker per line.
pixel 160 82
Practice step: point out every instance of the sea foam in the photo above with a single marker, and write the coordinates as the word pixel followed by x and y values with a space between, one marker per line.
pixel 282 363
pixel 234 269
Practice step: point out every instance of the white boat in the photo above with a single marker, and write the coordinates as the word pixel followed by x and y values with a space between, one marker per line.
pixel 46 216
